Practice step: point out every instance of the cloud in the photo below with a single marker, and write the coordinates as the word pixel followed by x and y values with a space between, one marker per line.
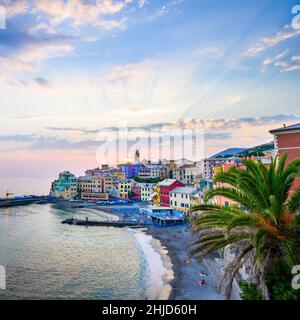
pixel 79 12
pixel 21 51
pixel 142 3
pixel 267 42
pixel 40 142
pixel 25 47
pixel 207 124
pixel 234 100
pixel 42 82
pixel 279 56
pixel 295 58
pixel 15 7
pixel 287 68
pixel 288 65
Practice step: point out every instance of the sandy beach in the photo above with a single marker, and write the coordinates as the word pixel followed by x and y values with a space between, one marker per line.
pixel 172 243
pixel 185 285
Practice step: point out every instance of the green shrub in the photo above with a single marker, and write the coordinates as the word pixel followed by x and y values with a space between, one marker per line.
pixel 279 280
pixel 250 291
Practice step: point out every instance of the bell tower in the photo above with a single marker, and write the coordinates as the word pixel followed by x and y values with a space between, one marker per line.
pixel 137 156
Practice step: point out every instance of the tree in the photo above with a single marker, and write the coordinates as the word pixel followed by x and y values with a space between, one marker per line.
pixel 264 223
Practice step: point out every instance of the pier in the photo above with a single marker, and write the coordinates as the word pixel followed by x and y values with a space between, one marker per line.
pixel 117 223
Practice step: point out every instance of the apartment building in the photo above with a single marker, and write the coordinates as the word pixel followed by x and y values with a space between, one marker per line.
pixel 183 198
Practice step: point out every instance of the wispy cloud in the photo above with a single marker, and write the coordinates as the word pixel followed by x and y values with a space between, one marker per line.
pixel 42 82
pixel 208 124
pixel 279 56
pixel 268 42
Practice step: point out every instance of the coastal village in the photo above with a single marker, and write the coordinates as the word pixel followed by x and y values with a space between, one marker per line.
pixel 178 186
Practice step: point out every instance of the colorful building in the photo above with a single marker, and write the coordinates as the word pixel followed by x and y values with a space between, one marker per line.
pixel 220 200
pixel 120 174
pixel 65 186
pixel 183 198
pixel 187 174
pixel 207 165
pixel 163 191
pixel 95 184
pixel 136 192
pixel 124 187
pixel 287 140
pixel 94 196
pixel 131 171
pixel 144 172
pixel 147 190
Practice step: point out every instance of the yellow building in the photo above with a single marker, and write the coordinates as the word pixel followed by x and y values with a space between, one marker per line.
pixel 123 186
pixel 68 193
pixel 216 170
pixel 158 196
pixel 120 175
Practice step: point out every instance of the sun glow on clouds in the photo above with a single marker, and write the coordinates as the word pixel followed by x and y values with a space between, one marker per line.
pixel 70 69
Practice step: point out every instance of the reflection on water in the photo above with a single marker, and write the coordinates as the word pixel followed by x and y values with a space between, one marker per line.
pixel 45 259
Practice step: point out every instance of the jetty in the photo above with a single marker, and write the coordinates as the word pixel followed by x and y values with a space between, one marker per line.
pixel 110 223
pixel 24 200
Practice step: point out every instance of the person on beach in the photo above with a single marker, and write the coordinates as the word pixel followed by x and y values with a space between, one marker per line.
pixel 202 283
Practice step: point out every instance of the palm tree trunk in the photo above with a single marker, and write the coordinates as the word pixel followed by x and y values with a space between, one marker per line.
pixel 261 285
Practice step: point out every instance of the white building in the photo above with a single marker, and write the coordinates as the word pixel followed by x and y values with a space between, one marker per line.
pixel 183 198
pixel 147 190
pixel 155 170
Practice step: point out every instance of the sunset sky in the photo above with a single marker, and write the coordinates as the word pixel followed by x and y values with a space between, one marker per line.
pixel 72 71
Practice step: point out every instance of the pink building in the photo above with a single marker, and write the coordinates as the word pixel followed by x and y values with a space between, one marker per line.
pixel 136 193
pixel 220 200
pixel 287 140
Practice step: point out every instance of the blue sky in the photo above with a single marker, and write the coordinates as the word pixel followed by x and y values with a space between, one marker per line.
pixel 71 68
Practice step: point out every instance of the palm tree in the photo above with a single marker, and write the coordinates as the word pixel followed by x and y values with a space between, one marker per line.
pixel 264 223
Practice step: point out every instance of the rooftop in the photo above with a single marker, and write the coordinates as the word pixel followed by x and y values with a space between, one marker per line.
pixel 166 182
pixel 286 128
pixel 184 190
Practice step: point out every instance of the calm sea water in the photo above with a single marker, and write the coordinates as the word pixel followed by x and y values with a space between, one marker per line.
pixel 45 259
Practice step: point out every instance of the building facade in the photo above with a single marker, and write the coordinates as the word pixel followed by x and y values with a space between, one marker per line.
pixel 65 186
pixel 187 174
pixel 163 191
pixel 95 184
pixel 124 187
pixel 207 165
pixel 183 198
pixel 287 140
pixel 147 190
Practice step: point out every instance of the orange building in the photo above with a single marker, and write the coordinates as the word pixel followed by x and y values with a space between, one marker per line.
pixel 287 140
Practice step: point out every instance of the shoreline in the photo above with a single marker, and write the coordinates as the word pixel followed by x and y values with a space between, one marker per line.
pixel 172 244
pixel 159 265
pixel 185 283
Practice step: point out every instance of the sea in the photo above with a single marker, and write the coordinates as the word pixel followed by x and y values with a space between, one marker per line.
pixel 45 259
